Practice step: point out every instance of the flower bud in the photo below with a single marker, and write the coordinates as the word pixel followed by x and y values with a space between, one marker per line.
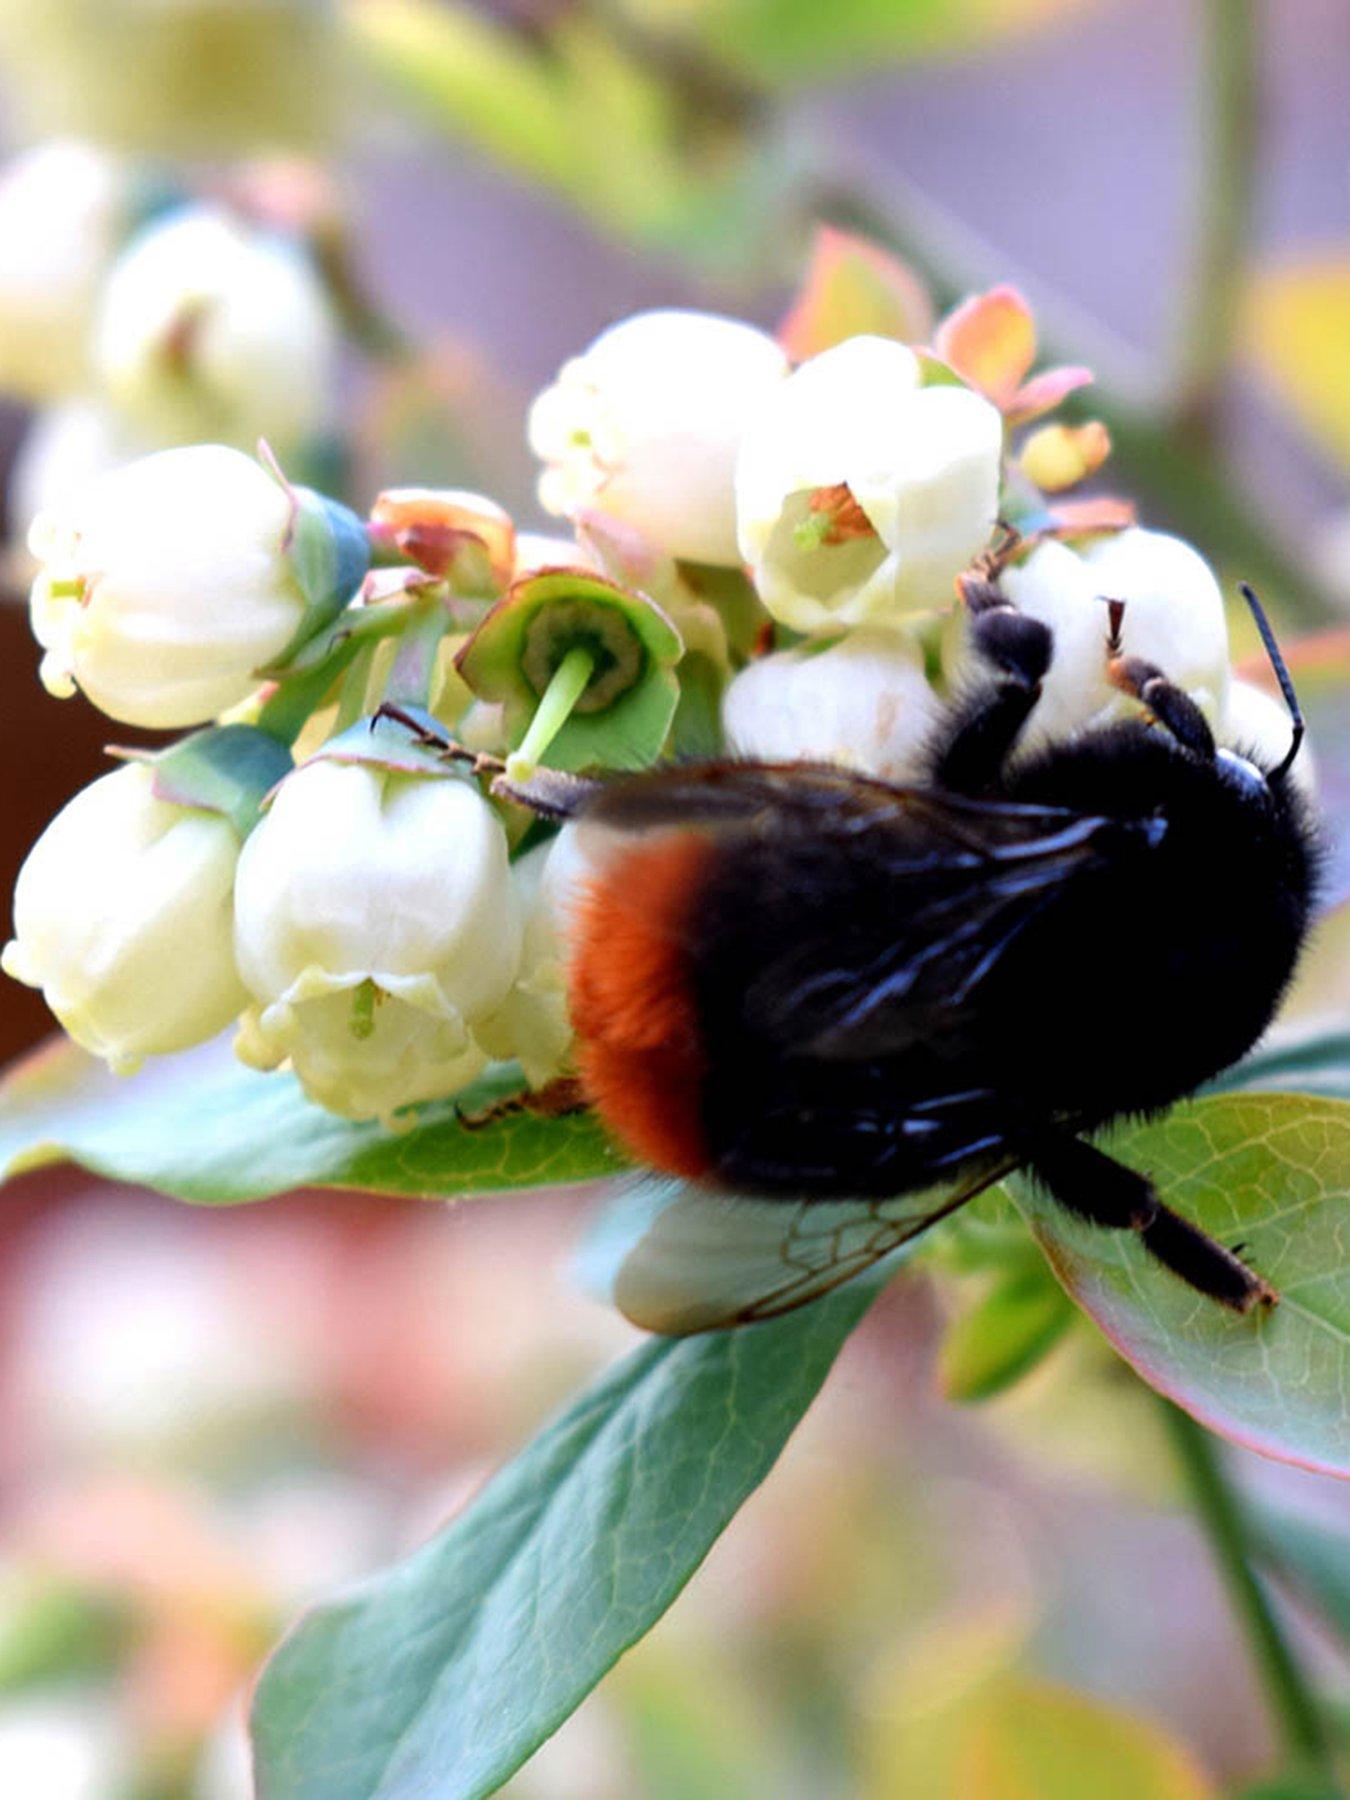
pixel 209 330
pixel 60 207
pixel 166 585
pixel 463 537
pixel 376 925
pixel 123 917
pixel 646 424
pixel 533 1025
pixel 1173 617
pixel 861 495
pixel 865 701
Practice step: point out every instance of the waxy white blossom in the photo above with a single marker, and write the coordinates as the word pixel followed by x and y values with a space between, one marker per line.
pixel 533 1023
pixel 860 494
pixel 164 585
pixel 376 925
pixel 1257 725
pixel 646 425
pixel 66 446
pixel 60 207
pixel 864 701
pixel 211 329
pixel 1173 617
pixel 123 916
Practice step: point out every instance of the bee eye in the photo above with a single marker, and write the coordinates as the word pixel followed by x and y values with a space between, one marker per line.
pixel 1238 772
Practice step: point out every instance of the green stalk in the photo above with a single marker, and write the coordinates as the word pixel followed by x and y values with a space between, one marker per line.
pixel 1288 1689
pixel 285 712
pixel 565 688
pixel 414 671
pixel 352 699
pixel 1230 117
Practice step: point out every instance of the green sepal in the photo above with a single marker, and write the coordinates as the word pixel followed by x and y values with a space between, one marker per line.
pixel 225 769
pixel 732 594
pixel 387 744
pixel 329 553
pixel 933 372
pixel 631 730
pixel 696 730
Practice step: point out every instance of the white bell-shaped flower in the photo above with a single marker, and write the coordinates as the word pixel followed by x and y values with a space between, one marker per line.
pixel 210 329
pixel 533 1025
pixel 123 916
pixel 645 426
pixel 60 208
pixel 66 446
pixel 1173 617
pixel 864 701
pixel 376 925
pixel 860 494
pixel 165 585
pixel 1257 725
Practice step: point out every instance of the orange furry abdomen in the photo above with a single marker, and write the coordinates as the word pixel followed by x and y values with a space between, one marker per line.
pixel 632 996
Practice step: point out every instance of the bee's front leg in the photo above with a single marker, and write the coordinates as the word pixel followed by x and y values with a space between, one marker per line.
pixel 1017 650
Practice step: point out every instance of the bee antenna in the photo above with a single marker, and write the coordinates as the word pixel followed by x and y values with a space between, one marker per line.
pixel 1282 675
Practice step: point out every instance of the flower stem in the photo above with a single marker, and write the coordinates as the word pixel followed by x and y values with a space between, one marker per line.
pixel 560 696
pixel 1229 132
pixel 1219 1509
pixel 285 711
pixel 414 671
pixel 352 698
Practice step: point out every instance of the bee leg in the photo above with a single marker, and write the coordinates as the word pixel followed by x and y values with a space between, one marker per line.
pixel 1169 705
pixel 1094 1186
pixel 983 733
pixel 555 1100
pixel 1017 649
pixel 551 793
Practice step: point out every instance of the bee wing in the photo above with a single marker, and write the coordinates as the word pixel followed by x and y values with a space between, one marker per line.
pixel 823 796
pixel 677 1258
pixel 934 886
pixel 952 922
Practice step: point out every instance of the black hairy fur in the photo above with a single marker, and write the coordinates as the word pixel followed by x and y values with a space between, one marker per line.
pixel 899 984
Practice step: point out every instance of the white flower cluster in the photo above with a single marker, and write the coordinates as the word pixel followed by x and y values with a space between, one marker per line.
pixel 134 319
pixel 760 557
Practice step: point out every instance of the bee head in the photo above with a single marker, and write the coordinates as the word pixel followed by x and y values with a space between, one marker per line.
pixel 1237 772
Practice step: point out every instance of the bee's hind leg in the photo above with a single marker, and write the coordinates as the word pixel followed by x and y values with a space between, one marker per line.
pixel 1094 1186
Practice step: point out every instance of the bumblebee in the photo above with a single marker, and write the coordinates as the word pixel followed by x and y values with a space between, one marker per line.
pixel 797 982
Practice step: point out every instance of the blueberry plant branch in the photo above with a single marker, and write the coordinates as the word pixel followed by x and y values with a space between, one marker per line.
pixel 1212 294
pixel 1219 1511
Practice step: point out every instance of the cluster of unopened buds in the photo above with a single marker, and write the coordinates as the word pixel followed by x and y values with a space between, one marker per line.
pixel 137 312
pixel 760 559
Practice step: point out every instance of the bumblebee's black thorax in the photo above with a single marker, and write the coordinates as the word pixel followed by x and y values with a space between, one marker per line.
pixel 881 1006
pixel 1150 973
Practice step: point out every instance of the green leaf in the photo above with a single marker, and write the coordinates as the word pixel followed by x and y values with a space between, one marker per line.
pixel 1004 1335
pixel 441 1676
pixel 202 1127
pixel 1271 1171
